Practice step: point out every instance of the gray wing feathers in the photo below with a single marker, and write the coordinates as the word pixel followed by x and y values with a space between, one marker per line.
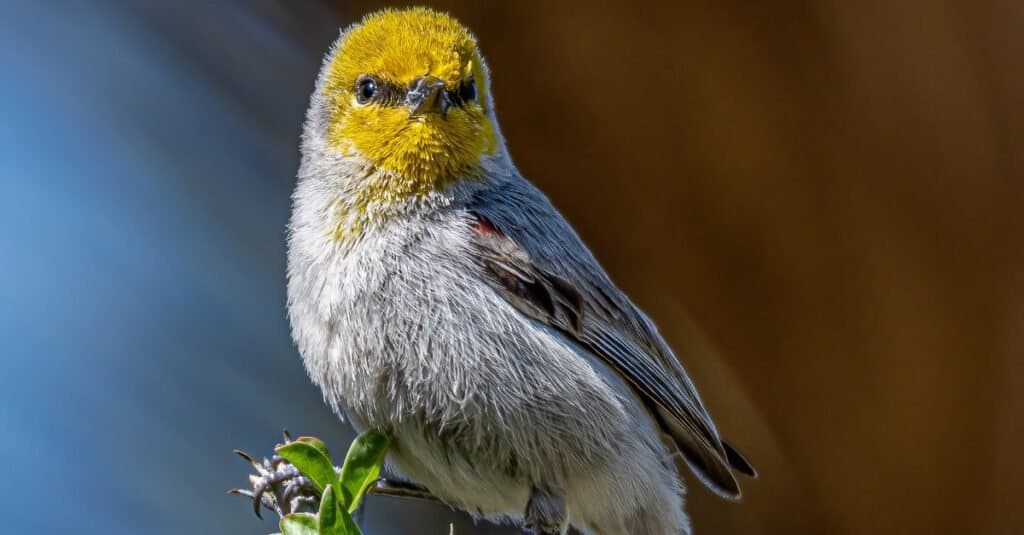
pixel 535 260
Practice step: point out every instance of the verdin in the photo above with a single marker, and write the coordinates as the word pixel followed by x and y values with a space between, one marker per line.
pixel 437 295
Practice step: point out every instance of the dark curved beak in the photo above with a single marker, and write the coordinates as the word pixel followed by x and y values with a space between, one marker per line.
pixel 427 95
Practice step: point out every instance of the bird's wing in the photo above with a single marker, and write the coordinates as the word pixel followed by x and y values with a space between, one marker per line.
pixel 561 285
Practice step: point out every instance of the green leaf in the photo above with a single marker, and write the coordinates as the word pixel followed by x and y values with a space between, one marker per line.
pixel 334 520
pixel 298 524
pixel 329 512
pixel 311 457
pixel 362 465
pixel 349 525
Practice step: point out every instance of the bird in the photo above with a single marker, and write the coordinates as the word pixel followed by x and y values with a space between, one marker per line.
pixel 437 295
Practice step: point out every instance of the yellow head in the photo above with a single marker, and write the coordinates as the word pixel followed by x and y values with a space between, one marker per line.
pixel 407 91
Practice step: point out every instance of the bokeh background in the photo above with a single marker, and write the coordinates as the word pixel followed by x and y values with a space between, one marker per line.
pixel 819 202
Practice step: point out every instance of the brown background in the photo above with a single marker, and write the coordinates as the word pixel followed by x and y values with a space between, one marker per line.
pixel 828 195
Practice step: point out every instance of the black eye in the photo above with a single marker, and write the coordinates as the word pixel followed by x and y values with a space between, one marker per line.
pixel 366 90
pixel 467 91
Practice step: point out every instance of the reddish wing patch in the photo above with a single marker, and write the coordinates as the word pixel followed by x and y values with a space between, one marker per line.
pixel 543 296
pixel 485 227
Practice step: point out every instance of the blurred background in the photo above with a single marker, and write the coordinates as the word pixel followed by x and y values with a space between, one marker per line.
pixel 819 203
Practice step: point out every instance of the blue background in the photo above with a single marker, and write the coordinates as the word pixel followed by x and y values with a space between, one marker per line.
pixel 148 158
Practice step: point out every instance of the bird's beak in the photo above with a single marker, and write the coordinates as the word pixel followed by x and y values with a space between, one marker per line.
pixel 427 95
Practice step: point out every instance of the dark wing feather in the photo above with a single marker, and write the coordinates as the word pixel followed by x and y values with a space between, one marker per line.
pixel 603 321
pixel 738 461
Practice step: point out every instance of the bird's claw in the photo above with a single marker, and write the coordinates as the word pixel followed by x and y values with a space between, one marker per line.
pixel 278 485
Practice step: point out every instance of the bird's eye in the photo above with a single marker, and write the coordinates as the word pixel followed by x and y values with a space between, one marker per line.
pixel 467 91
pixel 366 90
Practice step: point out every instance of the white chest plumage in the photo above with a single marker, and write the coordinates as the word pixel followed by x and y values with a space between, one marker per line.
pixel 401 333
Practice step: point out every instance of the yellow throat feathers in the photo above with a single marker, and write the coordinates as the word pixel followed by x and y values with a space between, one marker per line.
pixel 420 153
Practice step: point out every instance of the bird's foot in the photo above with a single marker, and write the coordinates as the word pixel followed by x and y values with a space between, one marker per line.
pixel 401 489
pixel 545 514
pixel 278 485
